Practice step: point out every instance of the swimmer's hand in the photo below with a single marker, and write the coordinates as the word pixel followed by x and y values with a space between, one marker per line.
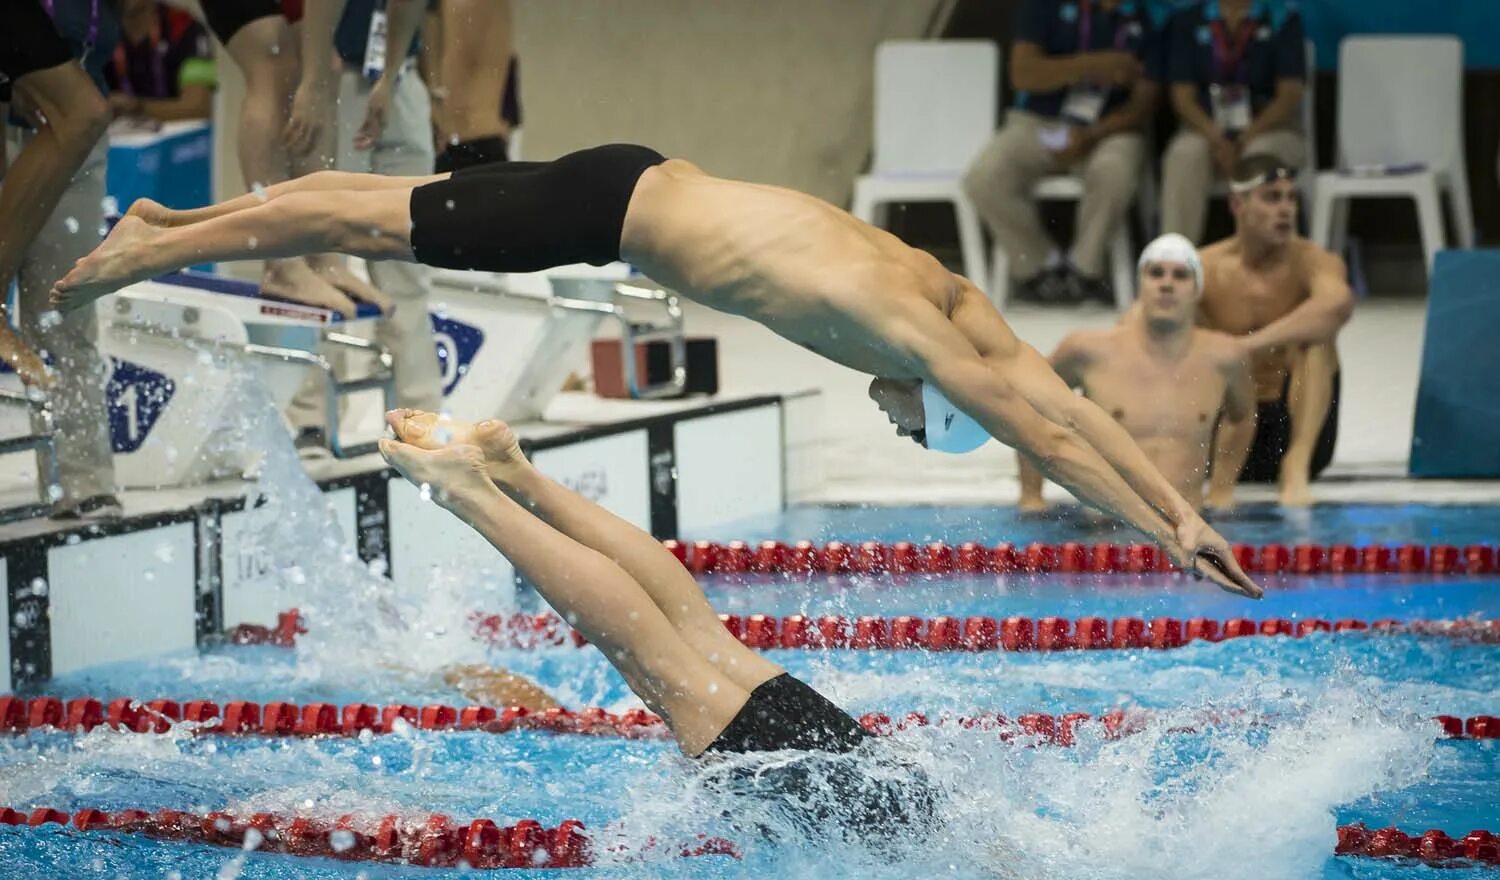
pixel 377 110
pixel 1207 555
pixel 450 473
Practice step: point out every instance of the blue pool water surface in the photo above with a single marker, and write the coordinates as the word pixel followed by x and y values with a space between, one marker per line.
pixel 1310 733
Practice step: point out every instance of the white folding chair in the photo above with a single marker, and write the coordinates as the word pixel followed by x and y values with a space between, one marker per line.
pixel 1400 103
pixel 1069 188
pixel 935 107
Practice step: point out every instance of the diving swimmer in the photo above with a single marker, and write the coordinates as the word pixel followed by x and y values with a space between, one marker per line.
pixel 945 361
pixel 635 602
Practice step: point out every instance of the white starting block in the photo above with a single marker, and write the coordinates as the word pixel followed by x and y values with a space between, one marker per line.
pixel 523 333
pixel 175 344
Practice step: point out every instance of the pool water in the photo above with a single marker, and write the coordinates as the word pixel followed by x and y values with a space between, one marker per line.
pixel 1310 733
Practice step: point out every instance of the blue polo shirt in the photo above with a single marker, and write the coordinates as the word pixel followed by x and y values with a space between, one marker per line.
pixel 1203 50
pixel 92 30
pixel 353 33
pixel 1059 27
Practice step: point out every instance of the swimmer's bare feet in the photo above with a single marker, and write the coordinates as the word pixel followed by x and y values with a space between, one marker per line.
pixel 502 451
pixel 27 364
pixel 1295 492
pixel 121 259
pixel 293 279
pixel 154 213
pixel 336 272
pixel 1030 506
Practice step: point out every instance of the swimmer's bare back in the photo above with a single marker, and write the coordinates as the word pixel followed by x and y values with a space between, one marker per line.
pixel 806 270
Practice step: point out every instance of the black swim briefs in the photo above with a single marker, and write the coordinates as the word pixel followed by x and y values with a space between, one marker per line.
pixel 29 41
pixel 226 17
pixel 1273 432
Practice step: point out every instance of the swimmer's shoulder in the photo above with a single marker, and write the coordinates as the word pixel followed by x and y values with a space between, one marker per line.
pixel 1082 348
pixel 1313 259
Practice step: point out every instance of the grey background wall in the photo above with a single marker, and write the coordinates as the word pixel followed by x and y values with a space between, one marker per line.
pixel 770 90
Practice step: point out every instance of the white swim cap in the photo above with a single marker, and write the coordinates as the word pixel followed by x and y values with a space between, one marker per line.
pixel 1173 248
pixel 948 428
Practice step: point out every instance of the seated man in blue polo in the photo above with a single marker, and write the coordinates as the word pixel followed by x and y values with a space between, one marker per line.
pixel 1237 70
pixel 1087 74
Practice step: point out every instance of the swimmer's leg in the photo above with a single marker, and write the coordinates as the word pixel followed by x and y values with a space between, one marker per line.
pixel 656 571
pixel 319 181
pixel 1232 442
pixel 373 224
pixel 1308 398
pixel 593 594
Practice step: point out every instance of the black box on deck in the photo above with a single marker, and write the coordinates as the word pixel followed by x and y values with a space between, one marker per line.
pixel 653 365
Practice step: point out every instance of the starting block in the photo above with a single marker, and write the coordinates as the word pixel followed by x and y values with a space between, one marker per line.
pixel 507 342
pixel 175 344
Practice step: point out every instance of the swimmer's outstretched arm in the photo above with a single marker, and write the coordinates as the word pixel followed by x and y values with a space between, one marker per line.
pixel 1021 402
pixel 592 593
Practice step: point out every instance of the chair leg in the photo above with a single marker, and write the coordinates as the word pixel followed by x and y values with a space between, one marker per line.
pixel 865 205
pixel 1463 212
pixel 1340 237
pixel 971 242
pixel 1430 219
pixel 1325 204
pixel 1121 266
pixel 999 289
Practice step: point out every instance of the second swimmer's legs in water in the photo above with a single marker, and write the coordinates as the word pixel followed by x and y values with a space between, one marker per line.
pixel 671 588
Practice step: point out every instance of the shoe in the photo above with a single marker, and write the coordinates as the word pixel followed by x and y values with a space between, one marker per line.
pixel 1084 289
pixel 1047 286
pixel 312 443
pixel 97 507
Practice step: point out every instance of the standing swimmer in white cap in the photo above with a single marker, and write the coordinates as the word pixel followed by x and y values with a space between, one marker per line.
pixel 1166 381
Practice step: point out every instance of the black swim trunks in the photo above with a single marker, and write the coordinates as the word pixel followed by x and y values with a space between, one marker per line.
pixel 835 786
pixel 29 41
pixel 529 216
pixel 226 17
pixel 1273 431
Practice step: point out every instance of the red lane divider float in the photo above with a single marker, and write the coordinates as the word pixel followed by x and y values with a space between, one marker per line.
pixel 436 841
pixel 431 841
pixel 906 557
pixel 977 633
pixel 1431 847
pixel 940 633
pixel 241 717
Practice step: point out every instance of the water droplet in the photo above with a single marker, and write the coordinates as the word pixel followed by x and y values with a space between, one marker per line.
pixel 366 736
pixel 308 804
pixel 55 492
pixel 260 191
pixel 71 224
pixel 109 205
pixel 253 242
pixel 253 840
pixel 165 552
pixel 221 825
pixel 38 587
pixel 342 840
pixel 713 687
pixel 173 875
pixel 20 620
pixel 375 759
pixel 448 204
pixel 71 539
pixel 426 492
pixel 49 319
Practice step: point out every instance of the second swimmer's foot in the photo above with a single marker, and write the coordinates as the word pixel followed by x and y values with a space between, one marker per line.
pixel 425 430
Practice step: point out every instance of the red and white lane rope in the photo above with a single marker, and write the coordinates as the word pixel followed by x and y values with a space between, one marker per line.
pixel 244 717
pixel 939 558
pixel 436 841
pixel 940 633
pixel 430 841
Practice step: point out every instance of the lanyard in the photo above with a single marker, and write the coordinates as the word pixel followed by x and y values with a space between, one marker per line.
pixel 1086 28
pixel 93 36
pixel 158 51
pixel 1230 62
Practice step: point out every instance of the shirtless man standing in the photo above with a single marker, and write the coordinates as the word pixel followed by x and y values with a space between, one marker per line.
pixel 1286 299
pixel 1164 380
pixel 806 270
